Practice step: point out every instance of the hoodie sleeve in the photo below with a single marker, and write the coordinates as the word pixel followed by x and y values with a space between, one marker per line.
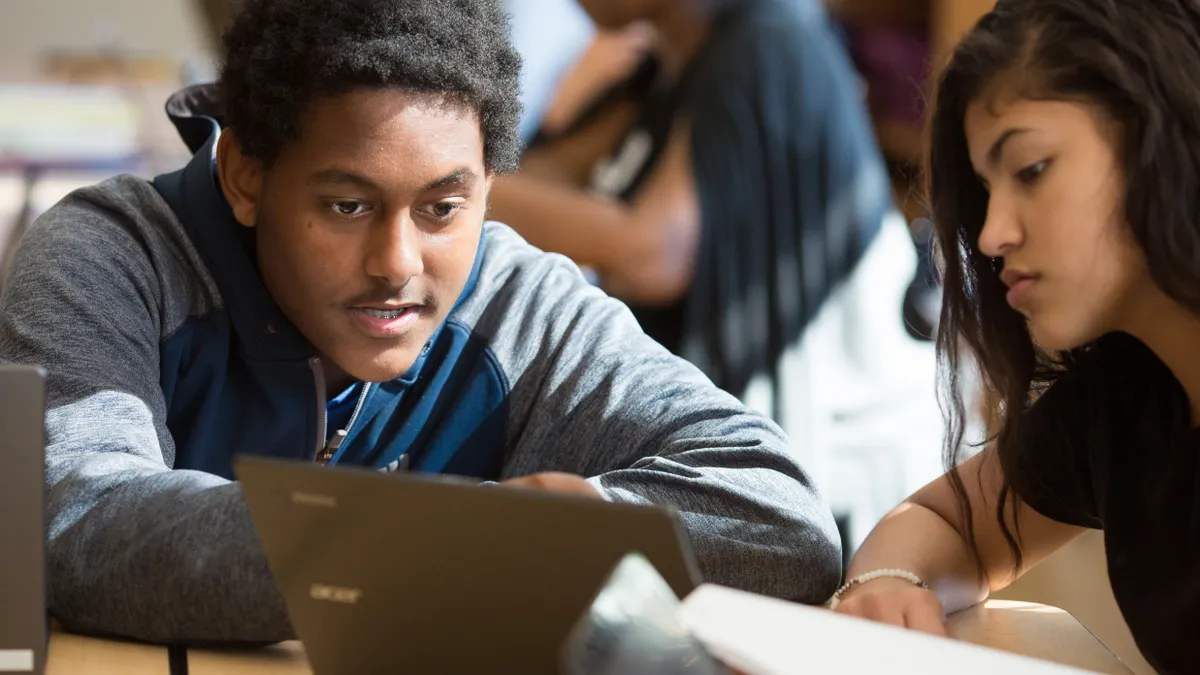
pixel 133 548
pixel 594 396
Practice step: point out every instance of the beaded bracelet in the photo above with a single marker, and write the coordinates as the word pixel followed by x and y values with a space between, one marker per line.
pixel 872 576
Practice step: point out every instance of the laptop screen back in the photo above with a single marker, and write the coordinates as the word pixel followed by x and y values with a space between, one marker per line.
pixel 400 573
pixel 22 529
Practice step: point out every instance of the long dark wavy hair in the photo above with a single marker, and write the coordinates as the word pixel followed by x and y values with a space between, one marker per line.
pixel 1138 63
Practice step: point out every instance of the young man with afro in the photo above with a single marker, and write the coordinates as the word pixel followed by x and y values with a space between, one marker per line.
pixel 319 283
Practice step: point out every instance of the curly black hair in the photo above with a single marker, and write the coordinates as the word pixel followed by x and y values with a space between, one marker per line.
pixel 281 55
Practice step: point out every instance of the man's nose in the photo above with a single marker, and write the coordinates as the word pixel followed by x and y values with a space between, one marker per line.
pixel 394 250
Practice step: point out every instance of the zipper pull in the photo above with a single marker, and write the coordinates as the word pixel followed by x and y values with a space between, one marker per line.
pixel 331 447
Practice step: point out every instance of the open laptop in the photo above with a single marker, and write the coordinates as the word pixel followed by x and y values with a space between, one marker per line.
pixel 22 527
pixel 424 574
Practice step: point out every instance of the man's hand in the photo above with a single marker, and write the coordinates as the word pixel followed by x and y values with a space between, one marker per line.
pixel 563 483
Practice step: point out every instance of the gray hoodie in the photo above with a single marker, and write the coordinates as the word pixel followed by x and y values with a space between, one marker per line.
pixel 167 357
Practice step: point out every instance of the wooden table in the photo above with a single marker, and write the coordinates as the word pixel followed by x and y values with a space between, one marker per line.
pixel 1038 631
pixel 1023 628
pixel 76 655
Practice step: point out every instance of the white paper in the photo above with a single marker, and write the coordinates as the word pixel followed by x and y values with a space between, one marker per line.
pixel 16 660
pixel 764 636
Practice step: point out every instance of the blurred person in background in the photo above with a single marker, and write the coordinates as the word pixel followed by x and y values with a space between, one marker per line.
pixel 1064 178
pixel 732 193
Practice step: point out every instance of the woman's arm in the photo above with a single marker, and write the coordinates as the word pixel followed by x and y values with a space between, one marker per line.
pixel 612 57
pixel 644 250
pixel 927 536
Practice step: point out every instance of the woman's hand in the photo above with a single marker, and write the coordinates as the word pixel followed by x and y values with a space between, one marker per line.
pixel 896 602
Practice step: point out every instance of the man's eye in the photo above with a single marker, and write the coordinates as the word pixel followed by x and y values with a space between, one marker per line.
pixel 349 209
pixel 444 210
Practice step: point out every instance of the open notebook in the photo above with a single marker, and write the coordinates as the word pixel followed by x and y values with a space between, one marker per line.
pixel 764 636
pixel 637 625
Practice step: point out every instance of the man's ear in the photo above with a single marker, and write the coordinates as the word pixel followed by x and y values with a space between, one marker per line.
pixel 241 179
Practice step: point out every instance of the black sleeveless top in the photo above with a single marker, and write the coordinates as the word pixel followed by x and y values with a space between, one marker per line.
pixel 780 147
pixel 622 175
pixel 1132 469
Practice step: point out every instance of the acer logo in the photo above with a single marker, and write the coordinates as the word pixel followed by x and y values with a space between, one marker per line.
pixel 310 499
pixel 346 596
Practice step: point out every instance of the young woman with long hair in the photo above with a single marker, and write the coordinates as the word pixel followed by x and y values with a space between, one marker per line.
pixel 1064 179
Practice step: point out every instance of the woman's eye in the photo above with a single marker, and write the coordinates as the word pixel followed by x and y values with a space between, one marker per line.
pixel 349 209
pixel 1030 174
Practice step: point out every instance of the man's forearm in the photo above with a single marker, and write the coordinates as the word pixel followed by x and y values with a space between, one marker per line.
pixel 751 528
pixel 169 557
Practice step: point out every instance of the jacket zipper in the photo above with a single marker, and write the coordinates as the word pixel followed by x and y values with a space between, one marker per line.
pixel 322 413
pixel 339 436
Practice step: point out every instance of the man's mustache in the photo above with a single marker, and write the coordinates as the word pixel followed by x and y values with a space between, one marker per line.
pixel 389 295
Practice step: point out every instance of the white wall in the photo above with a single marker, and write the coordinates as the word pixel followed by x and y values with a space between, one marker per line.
pixel 28 28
